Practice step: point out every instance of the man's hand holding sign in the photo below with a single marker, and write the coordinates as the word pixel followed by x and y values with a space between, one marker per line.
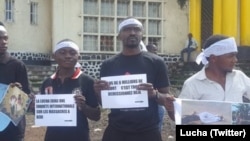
pixel 128 91
pixel 122 92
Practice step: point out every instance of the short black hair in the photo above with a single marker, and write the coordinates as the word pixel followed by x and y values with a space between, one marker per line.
pixel 190 34
pixel 150 45
pixel 213 39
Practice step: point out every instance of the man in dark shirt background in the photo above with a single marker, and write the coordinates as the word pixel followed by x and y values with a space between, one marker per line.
pixel 12 71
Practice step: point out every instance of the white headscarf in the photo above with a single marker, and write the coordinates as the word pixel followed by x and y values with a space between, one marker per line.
pixel 143 47
pixel 134 22
pixel 129 22
pixel 66 44
pixel 219 48
pixel 2 28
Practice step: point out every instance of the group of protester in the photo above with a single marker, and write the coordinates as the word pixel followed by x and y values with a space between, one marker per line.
pixel 218 80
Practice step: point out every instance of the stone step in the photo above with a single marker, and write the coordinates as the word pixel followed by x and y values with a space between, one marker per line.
pixel 37 74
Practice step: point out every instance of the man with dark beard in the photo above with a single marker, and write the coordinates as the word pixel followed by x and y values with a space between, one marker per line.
pixel 136 124
pixel 12 71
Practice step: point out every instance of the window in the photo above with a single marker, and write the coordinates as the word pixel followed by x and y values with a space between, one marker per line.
pixel 90 7
pixel 9 10
pixel 90 24
pixel 107 25
pixel 154 27
pixel 101 18
pixel 107 7
pixel 154 9
pixel 90 43
pixel 107 43
pixel 123 7
pixel 139 9
pixel 33 13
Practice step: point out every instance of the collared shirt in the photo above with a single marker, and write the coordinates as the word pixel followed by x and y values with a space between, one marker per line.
pixel 78 82
pixel 193 43
pixel 199 87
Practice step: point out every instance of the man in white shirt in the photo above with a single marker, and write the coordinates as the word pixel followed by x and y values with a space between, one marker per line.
pixel 218 80
pixel 190 46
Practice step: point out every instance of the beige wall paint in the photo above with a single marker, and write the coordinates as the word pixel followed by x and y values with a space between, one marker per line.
pixel 67 21
pixel 59 19
pixel 24 37
pixel 176 27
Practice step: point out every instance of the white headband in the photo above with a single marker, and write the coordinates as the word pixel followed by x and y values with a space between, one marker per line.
pixel 66 44
pixel 128 22
pixel 143 47
pixel 2 28
pixel 219 48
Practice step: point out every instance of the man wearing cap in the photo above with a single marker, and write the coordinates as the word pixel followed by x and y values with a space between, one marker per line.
pixel 12 71
pixel 218 80
pixel 69 79
pixel 136 124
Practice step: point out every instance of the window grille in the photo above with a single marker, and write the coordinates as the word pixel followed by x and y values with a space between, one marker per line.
pixel 33 13
pixel 101 18
pixel 9 10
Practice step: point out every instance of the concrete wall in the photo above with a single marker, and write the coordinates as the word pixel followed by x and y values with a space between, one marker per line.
pixel 59 19
pixel 176 27
pixel 67 21
pixel 24 37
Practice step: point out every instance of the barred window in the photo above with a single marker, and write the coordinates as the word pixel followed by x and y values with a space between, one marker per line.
pixel 107 7
pixel 9 10
pixel 102 17
pixel 33 13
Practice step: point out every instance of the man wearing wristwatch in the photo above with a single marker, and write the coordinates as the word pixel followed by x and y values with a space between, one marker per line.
pixel 137 124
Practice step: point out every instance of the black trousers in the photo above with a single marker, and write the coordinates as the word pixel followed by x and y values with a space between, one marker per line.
pixel 112 134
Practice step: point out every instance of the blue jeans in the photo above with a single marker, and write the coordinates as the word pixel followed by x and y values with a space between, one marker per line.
pixel 188 51
pixel 161 112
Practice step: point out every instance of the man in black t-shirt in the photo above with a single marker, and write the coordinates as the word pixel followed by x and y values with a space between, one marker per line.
pixel 69 79
pixel 136 124
pixel 12 71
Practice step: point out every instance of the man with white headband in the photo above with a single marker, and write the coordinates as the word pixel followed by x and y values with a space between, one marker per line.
pixel 140 124
pixel 12 72
pixel 66 43
pixel 217 80
pixel 69 79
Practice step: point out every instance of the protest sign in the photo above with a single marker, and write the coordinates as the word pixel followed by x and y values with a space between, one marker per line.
pixel 55 110
pixel 14 102
pixel 123 93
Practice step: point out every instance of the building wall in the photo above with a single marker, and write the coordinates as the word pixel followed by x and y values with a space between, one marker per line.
pixel 24 37
pixel 67 23
pixel 59 19
pixel 229 17
pixel 176 27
